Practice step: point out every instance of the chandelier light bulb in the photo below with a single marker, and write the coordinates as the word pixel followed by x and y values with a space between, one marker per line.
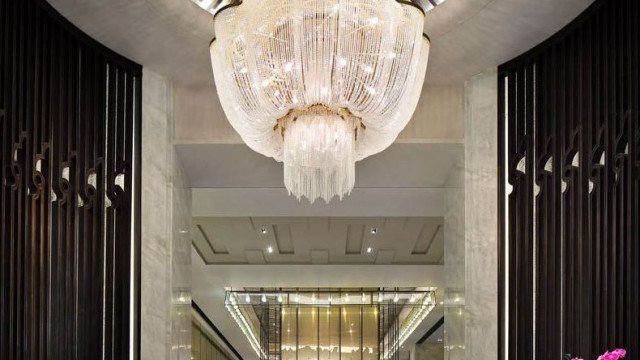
pixel 263 298
pixel 297 298
pixel 279 298
pixel 247 298
pixel 364 297
pixel 319 84
pixel 396 298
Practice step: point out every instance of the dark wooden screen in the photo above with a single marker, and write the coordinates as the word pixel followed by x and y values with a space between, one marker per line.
pixel 69 205
pixel 569 129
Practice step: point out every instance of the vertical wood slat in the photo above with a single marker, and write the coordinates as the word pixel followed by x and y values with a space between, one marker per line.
pixel 634 151
pixel 586 219
pixel 502 240
pixel 56 225
pixel 511 164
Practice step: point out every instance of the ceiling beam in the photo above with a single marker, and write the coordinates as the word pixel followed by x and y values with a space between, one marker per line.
pixel 219 277
pixel 363 202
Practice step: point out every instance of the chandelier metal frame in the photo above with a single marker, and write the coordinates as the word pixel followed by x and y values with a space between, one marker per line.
pixel 216 6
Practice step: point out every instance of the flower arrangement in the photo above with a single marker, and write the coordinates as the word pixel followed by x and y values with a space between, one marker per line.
pixel 613 355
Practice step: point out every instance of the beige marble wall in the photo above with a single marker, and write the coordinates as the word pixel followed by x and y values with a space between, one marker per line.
pixel 438 119
pixel 166 203
pixel 429 351
pixel 481 216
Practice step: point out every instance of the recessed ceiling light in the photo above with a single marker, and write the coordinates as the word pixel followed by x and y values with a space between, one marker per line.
pixel 264 231
pixel 270 249
pixel 374 230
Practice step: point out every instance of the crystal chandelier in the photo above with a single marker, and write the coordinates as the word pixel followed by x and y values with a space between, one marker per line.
pixel 319 84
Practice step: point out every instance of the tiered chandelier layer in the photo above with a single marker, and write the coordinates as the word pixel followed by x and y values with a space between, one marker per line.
pixel 319 84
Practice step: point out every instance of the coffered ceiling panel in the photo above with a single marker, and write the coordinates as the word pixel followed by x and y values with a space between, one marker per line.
pixel 319 240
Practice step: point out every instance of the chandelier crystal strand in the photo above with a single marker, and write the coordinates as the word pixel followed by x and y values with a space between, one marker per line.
pixel 319 84
pixel 319 150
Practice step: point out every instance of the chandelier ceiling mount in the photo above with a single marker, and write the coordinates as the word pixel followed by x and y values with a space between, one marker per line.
pixel 216 6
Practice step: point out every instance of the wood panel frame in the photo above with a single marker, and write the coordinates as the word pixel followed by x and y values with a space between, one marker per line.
pixel 569 197
pixel 70 194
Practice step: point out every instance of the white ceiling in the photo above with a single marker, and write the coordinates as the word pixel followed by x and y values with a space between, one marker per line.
pixel 468 36
pixel 319 240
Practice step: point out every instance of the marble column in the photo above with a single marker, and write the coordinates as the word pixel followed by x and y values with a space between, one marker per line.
pixel 454 253
pixel 166 246
pixel 481 216
pixel 454 265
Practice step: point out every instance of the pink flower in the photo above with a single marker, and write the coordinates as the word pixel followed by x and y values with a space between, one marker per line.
pixel 620 353
pixel 614 355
